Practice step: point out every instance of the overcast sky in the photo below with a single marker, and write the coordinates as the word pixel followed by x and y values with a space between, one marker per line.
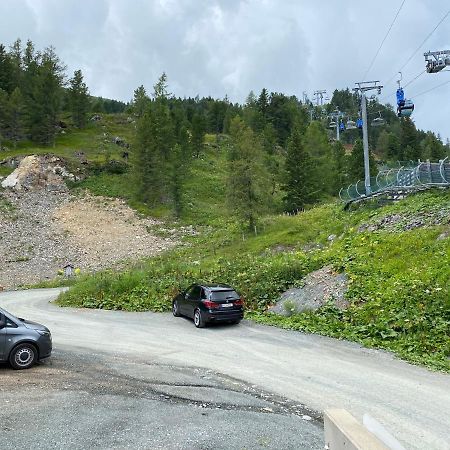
pixel 219 47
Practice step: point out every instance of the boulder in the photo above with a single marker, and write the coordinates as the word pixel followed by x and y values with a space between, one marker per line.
pixel 38 172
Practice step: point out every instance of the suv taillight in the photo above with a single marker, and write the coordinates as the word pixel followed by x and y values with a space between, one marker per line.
pixel 239 302
pixel 211 305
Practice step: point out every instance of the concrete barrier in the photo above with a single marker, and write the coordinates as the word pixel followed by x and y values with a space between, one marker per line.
pixel 344 432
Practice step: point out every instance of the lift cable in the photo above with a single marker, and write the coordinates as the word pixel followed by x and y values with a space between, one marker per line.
pixel 432 89
pixel 406 85
pixel 419 47
pixel 415 78
pixel 384 39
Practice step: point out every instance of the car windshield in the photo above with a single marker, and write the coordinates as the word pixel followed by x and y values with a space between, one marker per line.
pixel 224 295
pixel 10 315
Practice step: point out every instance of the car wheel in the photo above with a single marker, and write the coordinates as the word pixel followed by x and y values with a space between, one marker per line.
pixel 23 356
pixel 199 321
pixel 175 309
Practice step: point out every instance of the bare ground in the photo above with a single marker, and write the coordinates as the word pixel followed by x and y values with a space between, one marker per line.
pixel 41 231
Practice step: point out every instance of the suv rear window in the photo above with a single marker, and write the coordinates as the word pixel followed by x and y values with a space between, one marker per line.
pixel 224 295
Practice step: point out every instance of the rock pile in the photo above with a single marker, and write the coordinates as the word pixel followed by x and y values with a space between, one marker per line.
pixel 38 172
pixel 43 226
pixel 42 230
pixel 405 222
pixel 321 286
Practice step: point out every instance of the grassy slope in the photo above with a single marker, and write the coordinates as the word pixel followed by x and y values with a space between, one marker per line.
pixel 399 281
pixel 90 140
pixel 399 290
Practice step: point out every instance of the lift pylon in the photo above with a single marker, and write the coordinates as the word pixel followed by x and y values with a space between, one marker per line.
pixel 361 88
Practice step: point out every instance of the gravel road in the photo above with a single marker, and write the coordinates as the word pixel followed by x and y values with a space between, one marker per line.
pixel 286 369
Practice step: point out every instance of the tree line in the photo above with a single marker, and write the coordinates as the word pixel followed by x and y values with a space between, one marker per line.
pixel 278 147
pixel 35 91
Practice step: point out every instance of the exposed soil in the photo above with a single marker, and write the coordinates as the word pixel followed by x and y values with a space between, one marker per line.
pixel 41 231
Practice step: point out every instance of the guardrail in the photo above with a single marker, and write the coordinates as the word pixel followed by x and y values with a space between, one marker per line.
pixel 405 178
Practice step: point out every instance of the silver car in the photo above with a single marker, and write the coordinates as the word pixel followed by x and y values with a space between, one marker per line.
pixel 23 342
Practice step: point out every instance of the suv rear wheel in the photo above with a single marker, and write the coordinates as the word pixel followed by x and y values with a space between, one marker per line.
pixel 23 356
pixel 175 309
pixel 199 321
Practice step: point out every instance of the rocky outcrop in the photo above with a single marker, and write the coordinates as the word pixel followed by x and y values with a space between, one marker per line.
pixel 321 286
pixel 38 172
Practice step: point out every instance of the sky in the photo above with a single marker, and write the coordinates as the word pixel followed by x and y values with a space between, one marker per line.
pixel 229 47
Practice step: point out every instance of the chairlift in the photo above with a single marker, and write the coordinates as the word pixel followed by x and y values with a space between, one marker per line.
pixel 404 107
pixel 351 125
pixel 378 121
pixel 342 126
pixel 332 124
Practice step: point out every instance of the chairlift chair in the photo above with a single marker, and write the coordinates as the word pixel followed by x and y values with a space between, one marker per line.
pixel 332 124
pixel 378 121
pixel 351 125
pixel 406 109
pixel 359 122
pixel 342 126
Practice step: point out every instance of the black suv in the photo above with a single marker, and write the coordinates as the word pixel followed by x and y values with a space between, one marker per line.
pixel 209 303
pixel 22 342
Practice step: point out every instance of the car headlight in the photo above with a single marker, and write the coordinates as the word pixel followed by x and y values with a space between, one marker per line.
pixel 44 333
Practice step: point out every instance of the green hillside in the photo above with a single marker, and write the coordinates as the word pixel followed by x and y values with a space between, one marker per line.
pixel 399 279
pixel 399 273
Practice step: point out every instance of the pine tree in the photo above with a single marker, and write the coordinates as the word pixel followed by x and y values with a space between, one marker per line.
pixel 356 163
pixel 269 138
pixel 263 103
pixel 229 114
pixel 145 160
pixel 184 142
pixel 408 138
pixel 339 166
pixel 78 99
pixel 16 116
pixel 433 148
pixel 318 147
pixel 6 70
pixel 141 101
pixel 44 96
pixel 4 104
pixel 197 134
pixel 393 150
pixel 300 186
pixel 155 141
pixel 160 88
pixel 247 185
pixel 177 177
pixel 15 55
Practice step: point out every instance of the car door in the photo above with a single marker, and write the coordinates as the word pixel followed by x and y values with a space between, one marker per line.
pixel 183 300
pixel 192 300
pixel 2 336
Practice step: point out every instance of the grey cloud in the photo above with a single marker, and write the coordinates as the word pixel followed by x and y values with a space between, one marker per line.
pixel 218 47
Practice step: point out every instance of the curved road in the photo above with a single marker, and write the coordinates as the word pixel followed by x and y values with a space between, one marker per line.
pixel 412 402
